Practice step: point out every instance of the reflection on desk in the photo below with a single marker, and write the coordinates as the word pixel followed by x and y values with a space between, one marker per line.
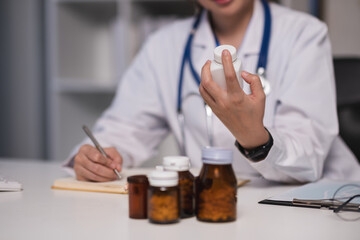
pixel 38 212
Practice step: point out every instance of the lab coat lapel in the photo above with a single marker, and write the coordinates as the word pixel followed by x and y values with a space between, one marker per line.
pixel 253 36
pixel 204 41
pixel 203 44
pixel 251 44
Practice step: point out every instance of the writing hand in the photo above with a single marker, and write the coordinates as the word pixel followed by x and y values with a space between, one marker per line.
pixel 91 165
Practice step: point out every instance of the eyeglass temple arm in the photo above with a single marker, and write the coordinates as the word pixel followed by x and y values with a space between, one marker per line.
pixel 347 206
pixel 315 203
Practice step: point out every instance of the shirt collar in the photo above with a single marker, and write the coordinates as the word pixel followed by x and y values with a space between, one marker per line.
pixel 204 37
pixel 253 36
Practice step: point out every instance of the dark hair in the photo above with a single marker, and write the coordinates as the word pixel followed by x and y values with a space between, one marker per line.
pixel 196 6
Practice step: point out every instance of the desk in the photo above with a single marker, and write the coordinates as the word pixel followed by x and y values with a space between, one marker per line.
pixel 39 212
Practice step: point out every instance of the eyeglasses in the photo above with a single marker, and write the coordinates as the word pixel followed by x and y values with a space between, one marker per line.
pixel 345 202
pixel 349 198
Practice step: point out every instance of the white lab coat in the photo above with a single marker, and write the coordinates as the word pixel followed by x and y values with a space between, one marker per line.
pixel 300 111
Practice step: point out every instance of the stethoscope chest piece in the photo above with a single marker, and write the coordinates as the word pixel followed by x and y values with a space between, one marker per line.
pixel 264 82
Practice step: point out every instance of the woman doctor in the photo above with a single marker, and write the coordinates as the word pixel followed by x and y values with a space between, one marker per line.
pixel 288 135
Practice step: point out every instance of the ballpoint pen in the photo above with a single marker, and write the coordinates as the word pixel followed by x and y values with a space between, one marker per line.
pixel 98 147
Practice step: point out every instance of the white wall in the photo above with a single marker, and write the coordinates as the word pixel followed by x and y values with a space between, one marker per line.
pixel 21 121
pixel 343 19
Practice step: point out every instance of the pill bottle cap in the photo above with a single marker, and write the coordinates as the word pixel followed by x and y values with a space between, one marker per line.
pixel 176 163
pixel 138 179
pixel 217 156
pixel 159 168
pixel 163 178
pixel 218 52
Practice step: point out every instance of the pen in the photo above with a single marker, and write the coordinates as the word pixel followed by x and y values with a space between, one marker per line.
pixel 97 145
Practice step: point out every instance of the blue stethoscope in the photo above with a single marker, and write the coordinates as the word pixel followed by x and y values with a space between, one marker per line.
pixel 260 70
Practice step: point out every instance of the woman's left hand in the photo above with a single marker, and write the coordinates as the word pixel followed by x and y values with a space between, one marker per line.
pixel 242 114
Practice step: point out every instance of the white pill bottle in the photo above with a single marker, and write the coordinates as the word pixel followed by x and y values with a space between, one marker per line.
pixel 217 68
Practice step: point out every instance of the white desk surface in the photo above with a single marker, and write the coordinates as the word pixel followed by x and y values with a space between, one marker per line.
pixel 39 212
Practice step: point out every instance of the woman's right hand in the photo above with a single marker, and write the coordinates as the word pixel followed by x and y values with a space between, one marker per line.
pixel 91 165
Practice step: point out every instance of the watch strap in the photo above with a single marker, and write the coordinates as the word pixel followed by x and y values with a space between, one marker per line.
pixel 259 153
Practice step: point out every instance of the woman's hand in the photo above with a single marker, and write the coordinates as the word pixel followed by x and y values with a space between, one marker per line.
pixel 91 165
pixel 242 114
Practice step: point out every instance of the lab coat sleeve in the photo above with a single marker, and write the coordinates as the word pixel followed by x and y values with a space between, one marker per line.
pixel 305 121
pixel 134 123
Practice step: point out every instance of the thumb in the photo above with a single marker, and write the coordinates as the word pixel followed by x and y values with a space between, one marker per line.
pixel 254 81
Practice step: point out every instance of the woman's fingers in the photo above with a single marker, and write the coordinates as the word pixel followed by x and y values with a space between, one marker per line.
pixel 238 111
pixel 232 83
pixel 208 84
pixel 84 174
pixel 90 164
pixel 255 83
pixel 206 96
pixel 94 155
pixel 98 169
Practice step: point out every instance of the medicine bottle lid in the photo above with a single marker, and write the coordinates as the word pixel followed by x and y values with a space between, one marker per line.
pixel 138 179
pixel 163 178
pixel 217 156
pixel 176 163
pixel 218 52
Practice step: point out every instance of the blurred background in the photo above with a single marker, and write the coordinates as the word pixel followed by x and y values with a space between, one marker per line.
pixel 60 62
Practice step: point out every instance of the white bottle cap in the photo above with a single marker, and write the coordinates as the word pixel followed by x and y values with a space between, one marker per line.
pixel 176 163
pixel 218 52
pixel 159 168
pixel 217 156
pixel 163 178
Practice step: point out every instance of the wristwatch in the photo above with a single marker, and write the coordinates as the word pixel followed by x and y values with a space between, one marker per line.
pixel 259 153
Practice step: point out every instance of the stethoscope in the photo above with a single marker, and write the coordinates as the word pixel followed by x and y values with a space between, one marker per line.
pixel 260 70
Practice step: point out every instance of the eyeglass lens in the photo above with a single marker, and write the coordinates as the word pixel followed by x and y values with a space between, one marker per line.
pixel 348 194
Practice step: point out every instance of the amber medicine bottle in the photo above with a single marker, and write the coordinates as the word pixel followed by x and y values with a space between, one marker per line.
pixel 163 197
pixel 216 187
pixel 181 164
pixel 138 188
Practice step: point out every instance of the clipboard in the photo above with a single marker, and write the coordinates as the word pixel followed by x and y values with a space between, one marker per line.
pixel 310 195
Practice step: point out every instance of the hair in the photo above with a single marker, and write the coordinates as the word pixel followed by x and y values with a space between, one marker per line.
pixel 197 8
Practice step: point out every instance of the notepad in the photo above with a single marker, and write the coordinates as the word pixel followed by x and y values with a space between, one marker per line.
pixel 105 187
pixel 118 186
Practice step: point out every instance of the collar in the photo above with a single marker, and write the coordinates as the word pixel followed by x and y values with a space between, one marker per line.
pixel 204 38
